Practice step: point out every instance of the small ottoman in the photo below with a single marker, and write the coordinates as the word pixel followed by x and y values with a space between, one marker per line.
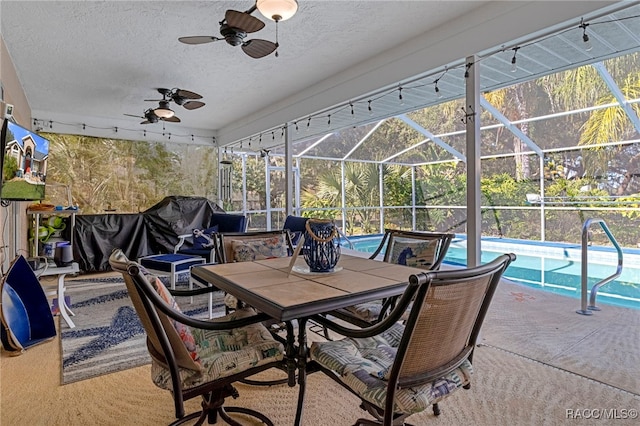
pixel 170 264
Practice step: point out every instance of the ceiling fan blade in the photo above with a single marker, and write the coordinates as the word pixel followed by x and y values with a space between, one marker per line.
pixel 173 119
pixel 198 39
pixel 187 94
pixel 153 100
pixel 258 48
pixel 243 21
pixel 132 115
pixel 145 122
pixel 193 104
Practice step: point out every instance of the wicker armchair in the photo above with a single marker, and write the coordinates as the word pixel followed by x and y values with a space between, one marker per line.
pixel 419 249
pixel 192 357
pixel 399 369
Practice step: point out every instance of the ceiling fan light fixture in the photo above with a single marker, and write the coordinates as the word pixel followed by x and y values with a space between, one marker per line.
pixel 277 10
pixel 163 111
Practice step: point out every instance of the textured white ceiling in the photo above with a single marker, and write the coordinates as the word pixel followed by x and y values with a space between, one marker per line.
pixel 92 62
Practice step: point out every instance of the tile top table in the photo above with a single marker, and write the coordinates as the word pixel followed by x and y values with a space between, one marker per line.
pixel 268 286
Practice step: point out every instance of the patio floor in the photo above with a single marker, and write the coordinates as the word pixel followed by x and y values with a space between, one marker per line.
pixel 545 327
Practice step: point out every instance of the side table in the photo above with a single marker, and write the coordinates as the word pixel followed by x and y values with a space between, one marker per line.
pixel 61 272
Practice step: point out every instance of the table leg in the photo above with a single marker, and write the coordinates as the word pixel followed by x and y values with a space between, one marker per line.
pixel 302 368
pixel 62 304
pixel 291 354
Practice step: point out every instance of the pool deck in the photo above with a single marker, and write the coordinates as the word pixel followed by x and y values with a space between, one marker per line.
pixel 544 327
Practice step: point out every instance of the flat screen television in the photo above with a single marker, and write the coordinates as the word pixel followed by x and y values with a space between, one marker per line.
pixel 24 156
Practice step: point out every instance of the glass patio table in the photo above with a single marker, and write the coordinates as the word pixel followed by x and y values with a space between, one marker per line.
pixel 268 286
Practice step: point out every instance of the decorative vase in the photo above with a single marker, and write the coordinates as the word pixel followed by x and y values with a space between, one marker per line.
pixel 321 248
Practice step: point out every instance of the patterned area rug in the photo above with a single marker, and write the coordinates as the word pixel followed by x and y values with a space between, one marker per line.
pixel 108 336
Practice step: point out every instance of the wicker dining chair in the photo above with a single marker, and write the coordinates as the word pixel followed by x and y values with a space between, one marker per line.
pixel 419 249
pixel 196 358
pixel 401 368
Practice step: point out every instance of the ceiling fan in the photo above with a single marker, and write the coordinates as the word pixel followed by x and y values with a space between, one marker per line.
pixel 150 116
pixel 184 98
pixel 234 28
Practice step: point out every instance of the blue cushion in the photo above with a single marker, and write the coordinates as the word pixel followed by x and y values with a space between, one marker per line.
pixel 296 226
pixel 229 222
pixel 163 262
pixel 196 252
pixel 204 238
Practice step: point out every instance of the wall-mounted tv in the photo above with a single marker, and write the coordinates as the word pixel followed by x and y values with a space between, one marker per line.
pixel 24 163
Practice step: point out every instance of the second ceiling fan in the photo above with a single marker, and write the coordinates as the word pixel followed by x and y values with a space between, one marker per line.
pixel 184 98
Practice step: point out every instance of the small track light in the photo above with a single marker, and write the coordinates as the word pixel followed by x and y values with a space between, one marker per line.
pixel 437 90
pixel 514 65
pixel 585 37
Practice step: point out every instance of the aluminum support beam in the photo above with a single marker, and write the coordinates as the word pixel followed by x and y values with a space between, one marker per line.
pixel 472 123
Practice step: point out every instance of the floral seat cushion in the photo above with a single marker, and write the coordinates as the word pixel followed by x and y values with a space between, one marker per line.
pixel 364 365
pixel 259 248
pixel 224 353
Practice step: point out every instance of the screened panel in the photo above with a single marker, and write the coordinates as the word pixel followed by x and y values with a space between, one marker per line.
pixel 256 221
pixel 340 143
pixel 442 184
pixel 398 218
pixel 320 184
pixel 511 223
pixel 441 119
pixel 361 184
pixel 562 225
pixel 256 183
pixel 397 186
pixel 506 181
pixel 277 219
pixel 441 219
pixel 390 138
pixel 127 176
pixel 361 221
pixel 277 186
pixel 426 151
pixel 620 68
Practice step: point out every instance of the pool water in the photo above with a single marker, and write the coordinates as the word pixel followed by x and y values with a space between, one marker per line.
pixel 553 267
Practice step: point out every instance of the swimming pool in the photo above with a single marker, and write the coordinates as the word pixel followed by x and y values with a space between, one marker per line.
pixel 554 267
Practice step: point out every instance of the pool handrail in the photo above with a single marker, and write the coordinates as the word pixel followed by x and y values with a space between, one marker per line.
pixel 344 236
pixel 587 310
